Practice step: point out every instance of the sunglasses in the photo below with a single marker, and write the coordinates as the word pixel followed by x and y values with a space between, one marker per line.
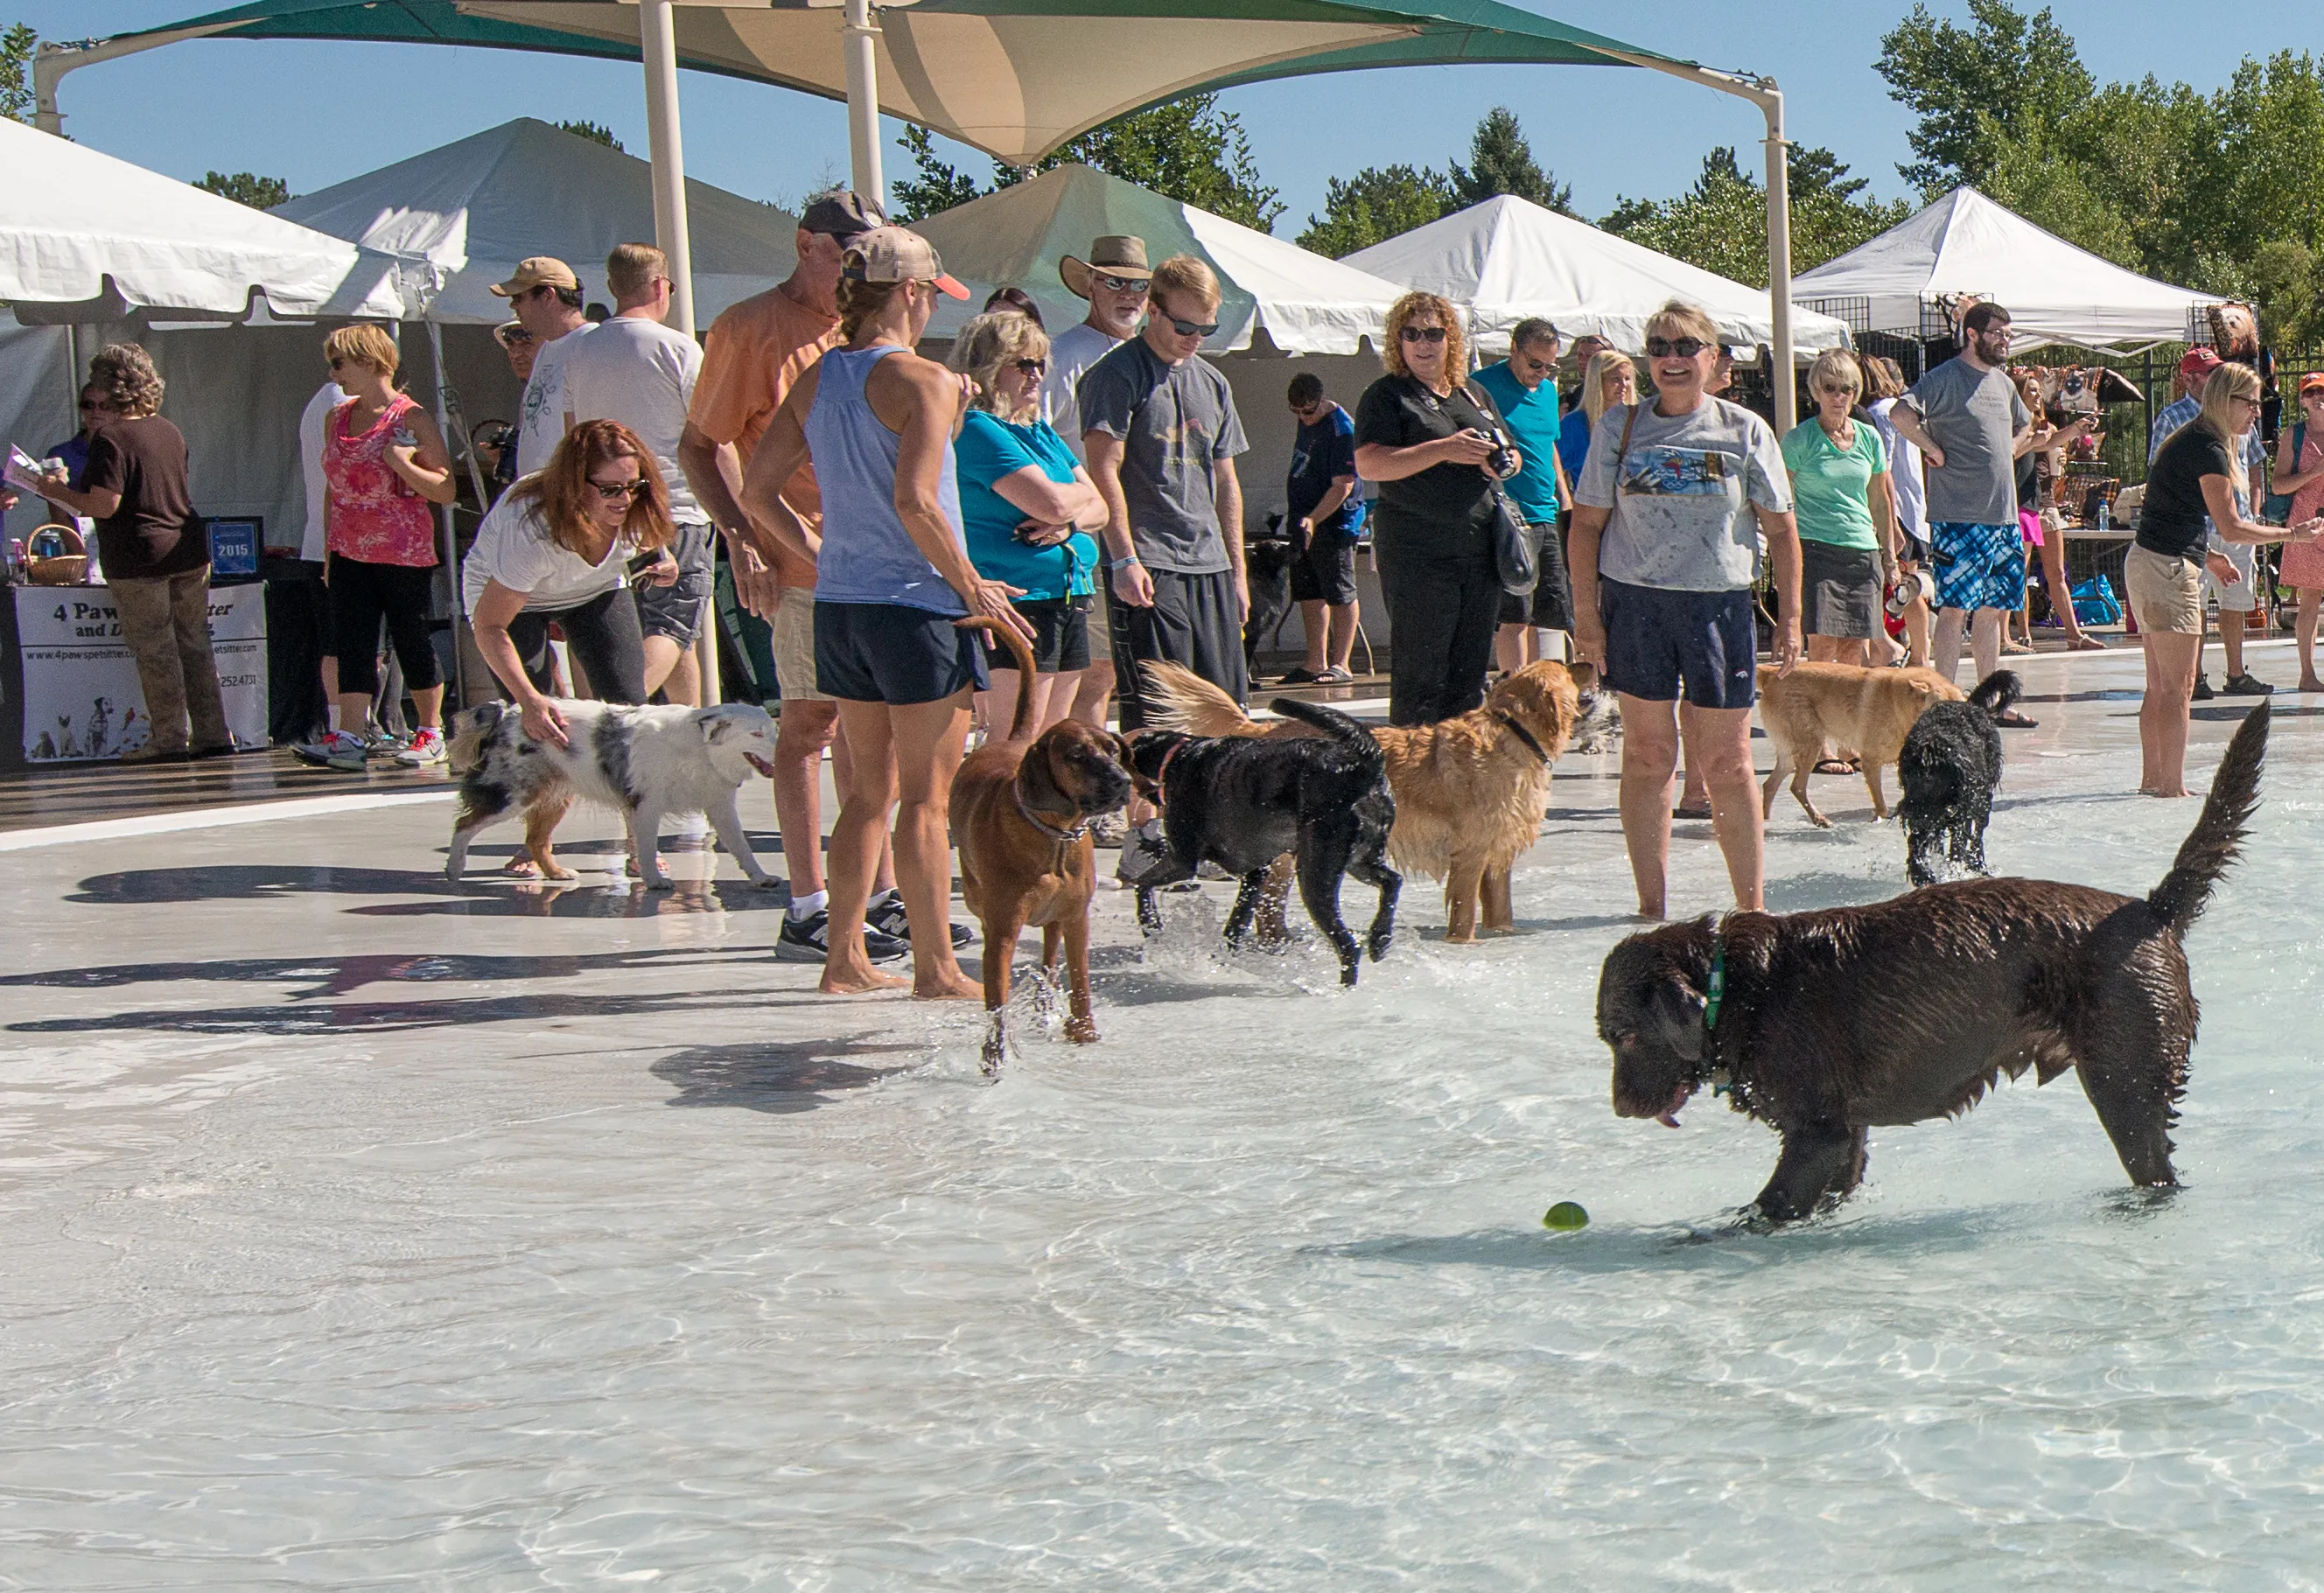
pixel 1303 410
pixel 520 337
pixel 92 406
pixel 1421 333
pixel 1685 348
pixel 1191 328
pixel 1113 284
pixel 1031 367
pixel 1538 367
pixel 618 491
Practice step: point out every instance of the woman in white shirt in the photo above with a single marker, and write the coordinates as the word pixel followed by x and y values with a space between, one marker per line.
pixel 559 547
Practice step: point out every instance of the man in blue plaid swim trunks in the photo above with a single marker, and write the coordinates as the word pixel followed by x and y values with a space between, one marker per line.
pixel 1970 426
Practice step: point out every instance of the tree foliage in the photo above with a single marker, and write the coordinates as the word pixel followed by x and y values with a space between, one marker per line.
pixel 2008 73
pixel 1188 150
pixel 1720 224
pixel 248 187
pixel 16 44
pixel 1380 201
pixel 595 131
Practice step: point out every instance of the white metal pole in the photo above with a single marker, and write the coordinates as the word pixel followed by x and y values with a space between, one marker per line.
pixel 451 537
pixel 658 37
pixel 1761 92
pixel 858 39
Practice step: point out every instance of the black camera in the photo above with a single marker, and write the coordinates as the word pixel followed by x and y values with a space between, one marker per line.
pixel 1504 460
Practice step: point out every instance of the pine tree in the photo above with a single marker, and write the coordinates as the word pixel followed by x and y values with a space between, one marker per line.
pixel 248 187
pixel 595 131
pixel 1376 204
pixel 1500 161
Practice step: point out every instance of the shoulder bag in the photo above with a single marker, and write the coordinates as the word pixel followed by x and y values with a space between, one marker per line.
pixel 1516 548
pixel 2276 507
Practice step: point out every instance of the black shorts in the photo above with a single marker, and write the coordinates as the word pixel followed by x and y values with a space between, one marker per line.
pixel 1840 591
pixel 1325 571
pixel 675 611
pixel 894 653
pixel 1193 621
pixel 1552 606
pixel 1060 634
pixel 1659 640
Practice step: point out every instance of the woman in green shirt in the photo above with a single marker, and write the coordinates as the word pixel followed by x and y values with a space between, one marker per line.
pixel 1848 522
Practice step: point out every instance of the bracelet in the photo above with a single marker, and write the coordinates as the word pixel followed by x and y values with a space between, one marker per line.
pixel 1128 559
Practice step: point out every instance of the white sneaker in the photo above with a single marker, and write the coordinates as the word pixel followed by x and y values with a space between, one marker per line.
pixel 427 750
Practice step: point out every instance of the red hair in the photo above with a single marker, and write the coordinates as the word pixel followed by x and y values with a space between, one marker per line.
pixel 559 489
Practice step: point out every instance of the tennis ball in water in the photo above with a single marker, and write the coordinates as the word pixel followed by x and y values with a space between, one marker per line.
pixel 1565 1216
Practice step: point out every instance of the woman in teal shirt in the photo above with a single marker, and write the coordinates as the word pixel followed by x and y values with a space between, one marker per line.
pixel 1027 507
pixel 1848 522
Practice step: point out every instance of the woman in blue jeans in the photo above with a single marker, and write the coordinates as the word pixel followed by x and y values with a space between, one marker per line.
pixel 892 578
pixel 1664 550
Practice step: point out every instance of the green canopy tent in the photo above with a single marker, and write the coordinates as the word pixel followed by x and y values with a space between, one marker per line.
pixel 1015 78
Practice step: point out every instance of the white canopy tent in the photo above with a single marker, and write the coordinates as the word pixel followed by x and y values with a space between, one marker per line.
pixel 1304 303
pixel 95 238
pixel 1965 244
pixel 464 214
pixel 1508 258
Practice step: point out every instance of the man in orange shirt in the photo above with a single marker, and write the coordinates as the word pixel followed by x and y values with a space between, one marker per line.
pixel 752 356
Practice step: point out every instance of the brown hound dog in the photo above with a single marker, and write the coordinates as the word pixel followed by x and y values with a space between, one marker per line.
pixel 1020 814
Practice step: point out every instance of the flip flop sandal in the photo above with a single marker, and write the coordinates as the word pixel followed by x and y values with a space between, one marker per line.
pixel 2014 720
pixel 1839 766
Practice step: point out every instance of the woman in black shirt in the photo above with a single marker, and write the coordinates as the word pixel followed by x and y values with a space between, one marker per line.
pixel 2198 474
pixel 1433 441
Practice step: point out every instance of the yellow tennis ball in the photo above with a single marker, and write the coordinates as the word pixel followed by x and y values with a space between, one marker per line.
pixel 1565 1216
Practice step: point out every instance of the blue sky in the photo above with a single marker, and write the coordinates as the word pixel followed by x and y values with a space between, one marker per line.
pixel 316 114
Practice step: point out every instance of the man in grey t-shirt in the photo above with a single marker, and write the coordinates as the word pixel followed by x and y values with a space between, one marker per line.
pixel 1160 433
pixel 1970 426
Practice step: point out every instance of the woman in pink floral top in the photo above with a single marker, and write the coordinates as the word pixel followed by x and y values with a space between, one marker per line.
pixel 384 467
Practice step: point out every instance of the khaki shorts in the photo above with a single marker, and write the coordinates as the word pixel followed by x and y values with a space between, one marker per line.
pixel 794 629
pixel 2166 593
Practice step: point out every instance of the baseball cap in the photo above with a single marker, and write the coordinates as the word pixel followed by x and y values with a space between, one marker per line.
pixel 2311 383
pixel 541 271
pixel 2200 361
pixel 894 255
pixel 842 214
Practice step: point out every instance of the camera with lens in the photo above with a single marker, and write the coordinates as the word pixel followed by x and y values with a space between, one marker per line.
pixel 1504 460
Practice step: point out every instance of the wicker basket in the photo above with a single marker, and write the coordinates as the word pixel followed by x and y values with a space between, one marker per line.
pixel 69 567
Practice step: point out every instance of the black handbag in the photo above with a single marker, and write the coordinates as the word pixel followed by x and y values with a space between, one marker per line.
pixel 1516 545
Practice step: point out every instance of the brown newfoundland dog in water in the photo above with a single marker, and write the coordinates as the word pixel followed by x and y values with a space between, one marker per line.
pixel 1822 1025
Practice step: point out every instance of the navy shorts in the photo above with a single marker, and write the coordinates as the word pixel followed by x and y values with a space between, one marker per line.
pixel 894 653
pixel 1658 639
pixel 1325 571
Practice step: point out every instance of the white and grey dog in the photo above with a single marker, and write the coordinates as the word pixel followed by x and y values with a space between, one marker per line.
pixel 643 763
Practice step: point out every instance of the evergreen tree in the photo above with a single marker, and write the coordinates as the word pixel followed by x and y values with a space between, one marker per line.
pixel 1500 161
pixel 934 184
pixel 595 131
pixel 1720 223
pixel 1376 204
pixel 248 187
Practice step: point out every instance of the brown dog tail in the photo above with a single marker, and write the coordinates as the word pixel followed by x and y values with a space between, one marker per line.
pixel 1179 699
pixel 2218 834
pixel 1020 727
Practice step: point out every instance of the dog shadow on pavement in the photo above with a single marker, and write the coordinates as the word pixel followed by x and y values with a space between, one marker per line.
pixel 773 1076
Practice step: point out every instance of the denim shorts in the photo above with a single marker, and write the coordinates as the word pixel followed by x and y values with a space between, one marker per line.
pixel 1660 642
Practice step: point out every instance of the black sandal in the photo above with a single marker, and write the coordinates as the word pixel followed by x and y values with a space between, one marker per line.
pixel 2014 720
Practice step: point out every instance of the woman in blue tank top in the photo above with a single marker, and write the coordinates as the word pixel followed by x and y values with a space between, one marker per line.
pixel 892 577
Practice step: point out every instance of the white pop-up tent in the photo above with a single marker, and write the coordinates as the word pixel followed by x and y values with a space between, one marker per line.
pixel 1303 303
pixel 1966 245
pixel 466 212
pixel 95 238
pixel 1506 258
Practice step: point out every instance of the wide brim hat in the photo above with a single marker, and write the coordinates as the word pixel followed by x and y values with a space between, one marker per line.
pixel 1117 255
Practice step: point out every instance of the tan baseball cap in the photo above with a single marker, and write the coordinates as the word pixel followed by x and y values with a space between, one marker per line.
pixel 895 255
pixel 542 271
pixel 1117 255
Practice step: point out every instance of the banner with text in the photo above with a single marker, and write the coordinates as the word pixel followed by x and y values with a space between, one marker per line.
pixel 82 699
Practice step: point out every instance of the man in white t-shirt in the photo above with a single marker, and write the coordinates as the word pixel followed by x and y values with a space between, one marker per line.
pixel 1114 279
pixel 546 296
pixel 635 370
pixel 314 422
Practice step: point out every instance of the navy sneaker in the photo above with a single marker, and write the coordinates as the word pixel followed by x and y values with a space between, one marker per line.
pixel 808 940
pixel 887 917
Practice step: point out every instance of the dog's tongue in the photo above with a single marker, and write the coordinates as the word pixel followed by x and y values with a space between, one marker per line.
pixel 1668 1116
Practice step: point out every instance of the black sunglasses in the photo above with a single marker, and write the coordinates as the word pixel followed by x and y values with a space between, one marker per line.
pixel 614 491
pixel 1192 328
pixel 1421 333
pixel 1685 348
pixel 1031 367
pixel 96 407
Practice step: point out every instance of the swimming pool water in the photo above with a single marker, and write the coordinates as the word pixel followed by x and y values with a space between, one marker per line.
pixel 659 1272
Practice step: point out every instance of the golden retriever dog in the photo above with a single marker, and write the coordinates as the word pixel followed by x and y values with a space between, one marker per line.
pixel 1867 711
pixel 1469 792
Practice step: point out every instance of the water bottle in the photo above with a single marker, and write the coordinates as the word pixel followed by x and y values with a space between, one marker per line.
pixel 2105 516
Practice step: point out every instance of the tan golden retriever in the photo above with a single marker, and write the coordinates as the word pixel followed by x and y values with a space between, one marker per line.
pixel 1868 711
pixel 1469 792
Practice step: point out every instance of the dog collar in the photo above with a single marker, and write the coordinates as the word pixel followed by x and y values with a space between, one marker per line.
pixel 1522 734
pixel 1055 831
pixel 1162 769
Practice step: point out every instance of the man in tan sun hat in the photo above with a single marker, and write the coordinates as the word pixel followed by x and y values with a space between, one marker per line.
pixel 1113 278
pixel 546 296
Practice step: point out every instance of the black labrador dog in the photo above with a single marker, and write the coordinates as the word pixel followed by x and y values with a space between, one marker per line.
pixel 1950 767
pixel 1822 1025
pixel 1241 802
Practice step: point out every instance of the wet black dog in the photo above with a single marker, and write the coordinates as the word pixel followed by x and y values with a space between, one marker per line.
pixel 1950 767
pixel 1822 1025
pixel 1241 802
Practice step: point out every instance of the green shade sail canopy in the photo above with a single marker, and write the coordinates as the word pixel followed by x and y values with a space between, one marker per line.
pixel 1013 78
